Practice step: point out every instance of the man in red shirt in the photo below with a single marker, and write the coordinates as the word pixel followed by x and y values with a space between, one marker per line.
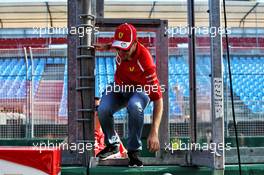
pixel 135 84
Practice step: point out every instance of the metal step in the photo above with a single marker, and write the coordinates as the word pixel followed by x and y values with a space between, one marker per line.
pixel 85 56
pixel 85 47
pixel 83 120
pixel 86 77
pixel 85 110
pixel 84 88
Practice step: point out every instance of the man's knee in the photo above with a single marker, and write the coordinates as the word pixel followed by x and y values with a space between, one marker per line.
pixel 135 107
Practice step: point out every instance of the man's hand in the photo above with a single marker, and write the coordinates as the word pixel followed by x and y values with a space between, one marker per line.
pixel 103 46
pixel 153 141
pixel 153 138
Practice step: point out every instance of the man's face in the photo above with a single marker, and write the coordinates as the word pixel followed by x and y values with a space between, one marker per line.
pixel 126 54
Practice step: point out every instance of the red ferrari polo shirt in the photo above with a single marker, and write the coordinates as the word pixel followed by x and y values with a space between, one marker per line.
pixel 139 71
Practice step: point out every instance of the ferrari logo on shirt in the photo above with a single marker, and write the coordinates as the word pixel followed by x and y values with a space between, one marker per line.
pixel 131 69
pixel 120 35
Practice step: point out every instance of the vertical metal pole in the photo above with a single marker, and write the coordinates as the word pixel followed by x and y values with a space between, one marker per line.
pixel 256 22
pixel 81 80
pixel 217 84
pixel 192 70
pixel 32 92
pixel 69 157
pixel 162 70
pixel 27 100
pixel 85 79
pixel 99 8
pixel 72 42
pixel 87 9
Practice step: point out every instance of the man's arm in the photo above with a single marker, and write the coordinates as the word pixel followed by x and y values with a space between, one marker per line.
pixel 106 46
pixel 153 138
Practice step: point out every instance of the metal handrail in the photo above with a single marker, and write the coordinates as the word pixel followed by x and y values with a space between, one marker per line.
pixel 32 92
pixel 27 100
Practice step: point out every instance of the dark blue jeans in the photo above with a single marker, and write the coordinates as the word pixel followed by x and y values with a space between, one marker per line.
pixel 112 102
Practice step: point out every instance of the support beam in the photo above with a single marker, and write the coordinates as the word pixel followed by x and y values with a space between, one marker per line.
pixel 81 65
pixel 85 87
pixel 192 70
pixel 112 23
pixel 217 103
pixel 1 24
pixel 72 158
pixel 162 71
pixel 99 8
pixel 152 9
pixel 248 155
pixel 245 16
pixel 50 17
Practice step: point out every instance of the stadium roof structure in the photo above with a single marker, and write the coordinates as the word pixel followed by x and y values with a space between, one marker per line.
pixel 47 13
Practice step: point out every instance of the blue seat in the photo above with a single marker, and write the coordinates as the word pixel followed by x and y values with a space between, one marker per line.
pixel 57 61
pixel 50 61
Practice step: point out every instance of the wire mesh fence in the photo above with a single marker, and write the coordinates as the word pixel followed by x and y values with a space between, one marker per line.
pixel 33 95
pixel 247 75
pixel 247 82
pixel 49 102
pixel 179 95
pixel 13 93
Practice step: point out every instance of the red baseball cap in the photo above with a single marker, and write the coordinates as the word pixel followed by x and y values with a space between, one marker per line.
pixel 125 35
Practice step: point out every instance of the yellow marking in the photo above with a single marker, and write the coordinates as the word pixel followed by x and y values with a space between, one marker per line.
pixel 131 69
pixel 120 35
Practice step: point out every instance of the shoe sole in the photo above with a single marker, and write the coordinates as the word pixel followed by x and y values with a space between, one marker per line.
pixel 135 166
pixel 112 156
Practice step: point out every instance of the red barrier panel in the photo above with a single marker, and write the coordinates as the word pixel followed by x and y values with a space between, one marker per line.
pixel 29 161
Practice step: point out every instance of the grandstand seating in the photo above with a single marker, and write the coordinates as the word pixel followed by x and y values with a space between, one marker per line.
pixel 13 74
pixel 16 84
pixel 247 73
pixel 201 41
pixel 30 42
pixel 248 81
